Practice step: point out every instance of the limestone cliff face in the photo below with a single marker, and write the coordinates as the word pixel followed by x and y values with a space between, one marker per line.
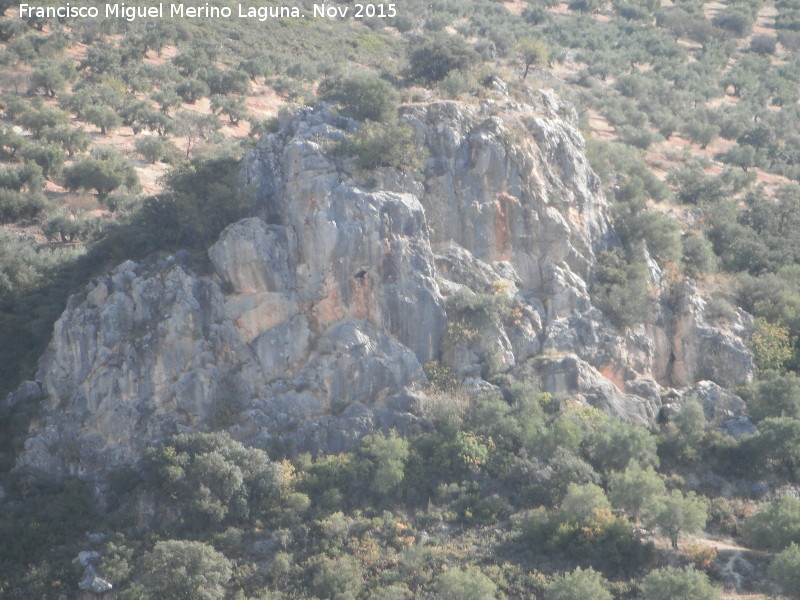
pixel 323 307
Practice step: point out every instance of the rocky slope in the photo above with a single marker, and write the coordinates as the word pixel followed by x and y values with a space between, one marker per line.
pixel 324 306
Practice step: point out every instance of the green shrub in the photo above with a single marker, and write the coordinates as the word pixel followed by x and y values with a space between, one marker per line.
pixel 614 445
pixel 776 448
pixel 601 539
pixel 770 343
pixel 336 577
pixel 620 288
pixel 27 177
pixel 671 583
pixel 698 256
pixel 583 503
pixel 465 584
pixel 738 22
pixel 433 58
pixel 71 139
pixel 37 118
pixel 385 145
pixel 785 571
pixel 773 395
pixel 440 376
pixel 578 585
pixel 763 44
pixel 775 526
pixel 41 515
pixel 191 90
pixel 178 570
pixel 636 489
pixel 205 197
pixel 363 96
pixel 213 480
pixel 382 459
pixel 48 79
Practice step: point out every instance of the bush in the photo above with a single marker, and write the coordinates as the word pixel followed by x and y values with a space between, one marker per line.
pixel 738 22
pixel 49 79
pixel 337 577
pixel 671 583
pixel 785 571
pixel 773 395
pixel 775 526
pixel 363 96
pixel 763 44
pixel 37 118
pixel 465 584
pixel 635 489
pixel 770 343
pixel 205 196
pixel 531 52
pixel 433 58
pixel 178 570
pixel 583 502
pixel 615 445
pixel 698 256
pixel 26 177
pixel 214 480
pixel 71 139
pixel 191 90
pixel 385 145
pixel 39 516
pixel 776 448
pixel 620 288
pixel 578 585
pixel 383 459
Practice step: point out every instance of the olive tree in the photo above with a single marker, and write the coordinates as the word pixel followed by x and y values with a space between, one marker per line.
pixel 679 513
pixel 104 170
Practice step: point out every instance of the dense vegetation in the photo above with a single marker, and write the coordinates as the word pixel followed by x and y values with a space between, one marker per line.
pixel 119 140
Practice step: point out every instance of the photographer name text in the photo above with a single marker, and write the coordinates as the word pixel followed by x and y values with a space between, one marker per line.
pixel 132 13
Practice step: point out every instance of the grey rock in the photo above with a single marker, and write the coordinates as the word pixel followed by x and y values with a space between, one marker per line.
pixel 737 426
pixel 92 583
pixel 718 403
pixel 26 392
pixel 572 376
pixel 689 349
pixel 85 557
pixel 97 538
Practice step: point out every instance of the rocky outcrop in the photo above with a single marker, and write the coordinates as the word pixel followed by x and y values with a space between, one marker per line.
pixel 323 306
pixel 687 348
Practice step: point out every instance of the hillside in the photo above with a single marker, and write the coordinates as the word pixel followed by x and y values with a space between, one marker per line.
pixel 480 300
